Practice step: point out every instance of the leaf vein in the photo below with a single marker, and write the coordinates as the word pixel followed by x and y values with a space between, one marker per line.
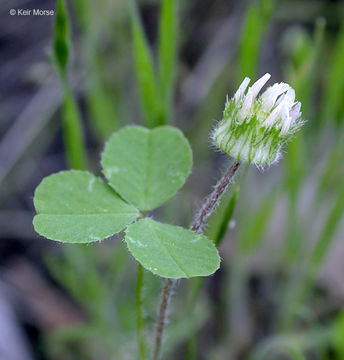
pixel 156 233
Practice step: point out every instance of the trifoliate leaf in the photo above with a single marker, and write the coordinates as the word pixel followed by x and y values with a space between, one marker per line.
pixel 147 167
pixel 77 207
pixel 171 251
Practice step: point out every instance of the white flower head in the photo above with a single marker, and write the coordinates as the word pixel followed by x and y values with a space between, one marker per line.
pixel 255 128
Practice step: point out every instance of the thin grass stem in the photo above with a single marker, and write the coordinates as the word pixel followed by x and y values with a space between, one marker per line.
pixel 139 315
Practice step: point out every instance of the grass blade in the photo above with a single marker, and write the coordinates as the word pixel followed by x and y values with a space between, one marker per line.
pixel 72 132
pixel 303 285
pixel 333 171
pixel 301 75
pixel 226 217
pixel 103 114
pixel 139 313
pixel 256 20
pixel 330 227
pixel 316 338
pixel 338 331
pixel 72 128
pixel 168 49
pixel 145 74
pixel 333 94
pixel 103 118
pixel 304 53
pixel 253 229
pixel 61 38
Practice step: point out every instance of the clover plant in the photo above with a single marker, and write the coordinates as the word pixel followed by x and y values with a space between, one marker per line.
pixel 143 169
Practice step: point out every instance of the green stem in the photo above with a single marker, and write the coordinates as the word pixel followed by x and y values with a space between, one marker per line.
pixel 139 314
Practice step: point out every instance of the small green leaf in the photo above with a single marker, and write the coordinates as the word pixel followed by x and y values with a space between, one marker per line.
pixel 77 207
pixel 147 167
pixel 171 251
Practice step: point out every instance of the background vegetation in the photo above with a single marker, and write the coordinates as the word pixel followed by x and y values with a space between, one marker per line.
pixel 279 293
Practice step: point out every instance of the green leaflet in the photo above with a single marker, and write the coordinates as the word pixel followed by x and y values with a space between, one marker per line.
pixel 77 207
pixel 171 251
pixel 147 167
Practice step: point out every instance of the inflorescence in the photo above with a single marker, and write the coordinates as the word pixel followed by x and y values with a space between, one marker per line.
pixel 255 128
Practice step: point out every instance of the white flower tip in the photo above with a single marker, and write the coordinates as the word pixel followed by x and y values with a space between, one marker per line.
pixel 275 113
pixel 295 112
pixel 247 104
pixel 271 97
pixel 240 92
pixel 257 86
pixel 286 119
pixel 290 96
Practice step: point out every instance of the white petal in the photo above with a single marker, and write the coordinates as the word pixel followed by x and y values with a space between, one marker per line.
pixel 257 86
pixel 270 95
pixel 295 112
pixel 286 119
pixel 271 119
pixel 290 96
pixel 247 104
pixel 240 92
pixel 285 112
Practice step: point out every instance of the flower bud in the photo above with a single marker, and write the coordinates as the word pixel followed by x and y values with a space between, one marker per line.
pixel 255 128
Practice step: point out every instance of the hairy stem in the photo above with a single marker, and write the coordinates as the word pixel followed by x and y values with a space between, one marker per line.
pixel 212 201
pixel 165 299
pixel 139 314
pixel 200 221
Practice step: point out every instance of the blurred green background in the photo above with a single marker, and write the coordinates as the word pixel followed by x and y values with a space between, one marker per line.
pixel 279 293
